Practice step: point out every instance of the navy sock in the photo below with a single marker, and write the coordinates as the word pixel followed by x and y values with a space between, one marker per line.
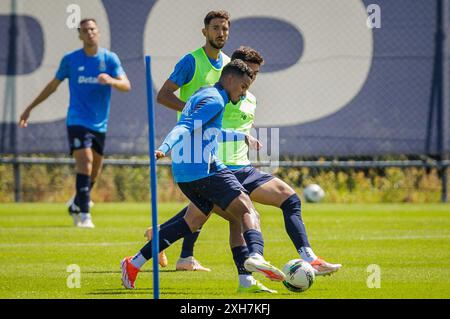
pixel 254 241
pixel 76 201
pixel 240 254
pixel 189 240
pixel 178 216
pixel 83 192
pixel 292 212
pixel 188 244
pixel 168 234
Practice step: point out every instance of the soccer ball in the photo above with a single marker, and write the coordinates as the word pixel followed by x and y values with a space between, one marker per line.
pixel 313 193
pixel 299 275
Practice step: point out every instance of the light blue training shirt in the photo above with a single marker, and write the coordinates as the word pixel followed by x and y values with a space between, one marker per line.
pixel 194 140
pixel 89 101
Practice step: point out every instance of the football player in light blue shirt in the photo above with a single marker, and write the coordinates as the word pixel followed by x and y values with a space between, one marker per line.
pixel 92 72
pixel 204 179
pixel 194 138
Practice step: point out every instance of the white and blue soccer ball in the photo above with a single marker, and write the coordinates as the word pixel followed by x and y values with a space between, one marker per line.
pixel 299 275
pixel 313 193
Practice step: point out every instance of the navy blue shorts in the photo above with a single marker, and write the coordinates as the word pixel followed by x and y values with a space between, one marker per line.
pixel 251 178
pixel 219 189
pixel 81 137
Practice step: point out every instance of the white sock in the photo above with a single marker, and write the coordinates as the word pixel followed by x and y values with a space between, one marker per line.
pixel 307 254
pixel 85 216
pixel 246 280
pixel 138 260
pixel 189 258
pixel 256 255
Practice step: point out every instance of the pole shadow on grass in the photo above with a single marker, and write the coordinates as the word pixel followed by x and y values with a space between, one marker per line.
pixel 119 271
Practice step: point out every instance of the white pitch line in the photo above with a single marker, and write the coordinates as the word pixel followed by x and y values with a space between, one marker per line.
pixel 137 242
pixel 405 237
pixel 356 237
pixel 69 244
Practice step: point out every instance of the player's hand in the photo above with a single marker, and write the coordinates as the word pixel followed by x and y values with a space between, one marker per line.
pixel 252 142
pixel 159 154
pixel 104 79
pixel 23 122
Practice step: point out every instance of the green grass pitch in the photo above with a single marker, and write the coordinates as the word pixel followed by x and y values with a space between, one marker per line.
pixel 409 242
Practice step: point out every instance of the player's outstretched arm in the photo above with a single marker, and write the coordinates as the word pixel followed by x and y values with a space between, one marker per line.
pixel 159 154
pixel 253 142
pixel 46 92
pixel 166 96
pixel 186 126
pixel 231 136
pixel 120 83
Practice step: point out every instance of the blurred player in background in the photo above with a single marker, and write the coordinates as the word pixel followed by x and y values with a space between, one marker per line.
pixel 203 178
pixel 92 72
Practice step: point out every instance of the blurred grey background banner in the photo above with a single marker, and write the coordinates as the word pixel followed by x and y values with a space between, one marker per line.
pixel 341 78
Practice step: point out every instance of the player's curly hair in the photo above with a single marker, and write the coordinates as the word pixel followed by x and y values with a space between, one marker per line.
pixel 223 14
pixel 84 21
pixel 248 55
pixel 237 67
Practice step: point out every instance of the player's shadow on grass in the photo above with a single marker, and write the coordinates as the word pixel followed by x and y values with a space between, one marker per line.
pixel 121 291
pixel 136 291
pixel 51 226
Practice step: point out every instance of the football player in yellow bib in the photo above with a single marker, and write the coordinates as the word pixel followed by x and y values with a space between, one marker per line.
pixel 199 68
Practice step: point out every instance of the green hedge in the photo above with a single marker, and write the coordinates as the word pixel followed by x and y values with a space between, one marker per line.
pixel 55 183
pixel 370 186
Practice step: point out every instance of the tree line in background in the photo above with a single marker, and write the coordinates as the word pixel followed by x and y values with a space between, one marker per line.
pixel 51 183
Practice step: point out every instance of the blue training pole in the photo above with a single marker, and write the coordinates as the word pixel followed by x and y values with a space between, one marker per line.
pixel 151 150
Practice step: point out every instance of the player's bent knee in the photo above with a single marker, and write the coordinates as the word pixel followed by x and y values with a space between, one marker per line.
pixel 83 161
pixel 240 205
pixel 292 205
pixel 288 192
pixel 235 227
pixel 84 168
pixel 195 220
pixel 284 190
pixel 246 201
pixel 256 218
